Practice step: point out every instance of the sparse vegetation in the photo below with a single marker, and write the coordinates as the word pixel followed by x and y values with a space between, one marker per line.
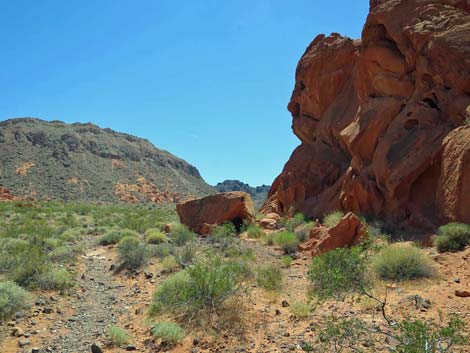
pixel 332 219
pixel 12 299
pixel 155 236
pixel 403 262
pixel 118 336
pixel 286 260
pixel 287 241
pixel 180 234
pixel 114 236
pixel 254 231
pixel 169 264
pixel 132 252
pixel 301 310
pixel 452 237
pixel 269 277
pixel 169 333
pixel 292 223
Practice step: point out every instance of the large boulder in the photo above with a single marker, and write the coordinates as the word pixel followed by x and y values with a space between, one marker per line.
pixel 348 232
pixel 200 215
pixel 381 119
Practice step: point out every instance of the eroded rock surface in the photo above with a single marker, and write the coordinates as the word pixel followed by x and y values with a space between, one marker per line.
pixel 382 120
pixel 200 215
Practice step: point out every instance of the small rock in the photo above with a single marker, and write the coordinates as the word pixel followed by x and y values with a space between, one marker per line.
pixel 24 343
pixel 17 332
pixel 47 310
pixel 131 348
pixel 95 348
pixel 462 293
pixel 285 303
pixel 278 312
pixel 35 350
pixel 392 342
pixel 148 274
pixel 457 280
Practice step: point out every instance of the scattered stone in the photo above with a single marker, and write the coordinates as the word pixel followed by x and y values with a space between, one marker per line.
pixel 131 348
pixel 17 332
pixel 35 350
pixel 47 310
pixel 95 348
pixel 23 343
pixel 462 293
pixel 148 274
pixel 285 303
pixel 457 280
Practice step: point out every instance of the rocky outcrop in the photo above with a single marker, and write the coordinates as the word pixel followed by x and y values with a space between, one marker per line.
pixel 348 232
pixel 382 119
pixel 5 195
pixel 201 215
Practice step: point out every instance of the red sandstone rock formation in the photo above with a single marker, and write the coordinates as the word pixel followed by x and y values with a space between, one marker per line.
pixel 382 120
pixel 349 231
pixel 202 214
pixel 5 195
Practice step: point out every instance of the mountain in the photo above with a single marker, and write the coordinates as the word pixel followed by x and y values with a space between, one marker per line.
pixel 258 193
pixel 384 122
pixel 55 160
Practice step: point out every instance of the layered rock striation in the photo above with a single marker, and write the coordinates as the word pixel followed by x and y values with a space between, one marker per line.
pixel 384 121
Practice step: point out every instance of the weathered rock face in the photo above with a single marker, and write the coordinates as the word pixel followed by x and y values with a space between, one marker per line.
pixel 348 232
pixel 202 214
pixel 382 120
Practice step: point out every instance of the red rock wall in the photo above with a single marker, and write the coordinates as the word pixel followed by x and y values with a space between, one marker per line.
pixel 381 119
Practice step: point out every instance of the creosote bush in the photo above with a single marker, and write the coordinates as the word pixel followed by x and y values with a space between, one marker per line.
pixel 338 273
pixel 332 219
pixel 269 277
pixel 170 264
pixel 118 336
pixel 292 223
pixel 13 298
pixel 403 262
pixel 301 310
pixel 452 237
pixel 287 241
pixel 132 253
pixel 169 333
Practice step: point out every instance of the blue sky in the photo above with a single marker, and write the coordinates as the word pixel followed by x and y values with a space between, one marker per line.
pixel 207 80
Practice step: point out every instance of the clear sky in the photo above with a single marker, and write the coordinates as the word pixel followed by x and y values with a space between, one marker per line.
pixel 207 80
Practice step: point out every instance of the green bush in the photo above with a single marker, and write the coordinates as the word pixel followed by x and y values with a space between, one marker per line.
pixel 293 223
pixel 169 333
pixel 301 310
pixel 332 219
pixel 180 234
pixel 186 254
pixel 401 262
pixel 114 236
pixel 118 336
pixel 54 278
pixel 204 285
pixel 12 299
pixel 160 250
pixel 132 252
pixel 170 264
pixel 452 237
pixel 254 231
pixel 155 236
pixel 269 277
pixel 338 273
pixel 286 260
pixel 287 241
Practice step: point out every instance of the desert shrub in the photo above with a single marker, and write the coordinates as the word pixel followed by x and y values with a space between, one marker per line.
pixel 269 239
pixel 204 285
pixel 254 231
pixel 54 278
pixel 169 333
pixel 180 234
pixel 12 299
pixel 118 336
pixel 155 236
pixel 303 232
pixel 114 236
pixel 292 223
pixel 332 219
pixel 287 241
pixel 286 260
pixel 452 237
pixel 338 273
pixel 339 333
pixel 401 262
pixel 269 277
pixel 63 253
pixel 301 310
pixel 186 254
pixel 160 250
pixel 223 236
pixel 169 264
pixel 132 252
pixel 418 336
pixel 31 263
